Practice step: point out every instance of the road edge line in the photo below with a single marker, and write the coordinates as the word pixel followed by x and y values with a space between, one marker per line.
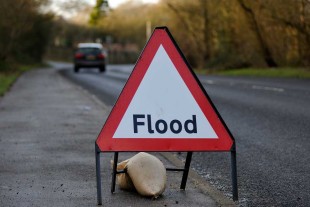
pixel 201 183
pixel 85 92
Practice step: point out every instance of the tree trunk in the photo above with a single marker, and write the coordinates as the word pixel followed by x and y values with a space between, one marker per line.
pixel 206 31
pixel 186 23
pixel 265 49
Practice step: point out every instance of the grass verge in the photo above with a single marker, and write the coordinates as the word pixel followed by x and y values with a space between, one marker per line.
pixel 269 72
pixel 8 76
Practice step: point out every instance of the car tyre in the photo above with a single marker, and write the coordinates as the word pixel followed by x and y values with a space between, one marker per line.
pixel 76 69
pixel 102 69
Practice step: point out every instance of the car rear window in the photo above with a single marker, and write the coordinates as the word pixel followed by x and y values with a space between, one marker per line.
pixel 89 50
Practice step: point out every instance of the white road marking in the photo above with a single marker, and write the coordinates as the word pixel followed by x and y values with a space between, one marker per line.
pixel 210 82
pixel 267 88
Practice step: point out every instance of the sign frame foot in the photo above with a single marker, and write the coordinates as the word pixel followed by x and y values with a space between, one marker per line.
pixel 186 170
pixel 234 179
pixel 98 175
pixel 114 172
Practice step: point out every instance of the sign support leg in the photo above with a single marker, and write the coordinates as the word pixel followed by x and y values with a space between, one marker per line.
pixel 98 175
pixel 234 172
pixel 186 169
pixel 114 172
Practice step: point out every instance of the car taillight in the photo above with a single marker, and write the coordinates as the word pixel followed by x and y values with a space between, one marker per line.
pixel 79 56
pixel 100 56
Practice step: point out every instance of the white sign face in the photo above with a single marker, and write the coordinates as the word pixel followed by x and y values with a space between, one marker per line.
pixel 163 106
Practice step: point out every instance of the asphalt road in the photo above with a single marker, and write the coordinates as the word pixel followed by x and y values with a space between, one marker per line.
pixel 270 120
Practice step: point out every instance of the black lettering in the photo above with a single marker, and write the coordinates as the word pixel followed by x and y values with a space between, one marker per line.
pixel 136 123
pixel 149 124
pixel 165 126
pixel 179 127
pixel 193 123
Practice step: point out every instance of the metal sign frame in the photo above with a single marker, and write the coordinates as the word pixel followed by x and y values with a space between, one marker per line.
pixel 185 171
pixel 228 145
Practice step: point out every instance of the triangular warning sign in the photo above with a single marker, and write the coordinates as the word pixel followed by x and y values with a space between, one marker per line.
pixel 163 107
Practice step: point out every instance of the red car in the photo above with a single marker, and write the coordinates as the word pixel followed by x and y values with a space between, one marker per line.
pixel 90 55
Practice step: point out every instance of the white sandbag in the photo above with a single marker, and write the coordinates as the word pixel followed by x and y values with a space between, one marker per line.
pixel 147 174
pixel 123 180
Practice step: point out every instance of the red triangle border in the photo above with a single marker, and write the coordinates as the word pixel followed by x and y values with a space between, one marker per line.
pixel 105 140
